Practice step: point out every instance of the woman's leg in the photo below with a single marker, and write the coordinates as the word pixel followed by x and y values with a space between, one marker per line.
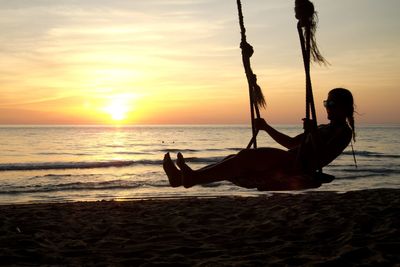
pixel 254 160
pixel 212 165
pixel 174 174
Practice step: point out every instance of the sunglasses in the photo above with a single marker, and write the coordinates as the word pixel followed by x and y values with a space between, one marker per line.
pixel 329 103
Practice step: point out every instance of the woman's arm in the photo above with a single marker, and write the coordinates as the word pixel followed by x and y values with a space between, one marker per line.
pixel 280 138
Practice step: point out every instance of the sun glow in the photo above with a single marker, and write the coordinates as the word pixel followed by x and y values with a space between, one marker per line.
pixel 118 108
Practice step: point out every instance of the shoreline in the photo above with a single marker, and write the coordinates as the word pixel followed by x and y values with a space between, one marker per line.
pixel 316 228
pixel 185 196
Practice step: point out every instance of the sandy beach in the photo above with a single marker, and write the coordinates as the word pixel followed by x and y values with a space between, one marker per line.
pixel 317 228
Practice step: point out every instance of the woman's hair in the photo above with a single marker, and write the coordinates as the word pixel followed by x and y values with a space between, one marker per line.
pixel 345 98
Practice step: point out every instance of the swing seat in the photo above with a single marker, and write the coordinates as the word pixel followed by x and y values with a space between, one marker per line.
pixel 282 182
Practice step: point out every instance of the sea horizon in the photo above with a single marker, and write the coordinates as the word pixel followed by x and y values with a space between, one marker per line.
pixel 178 124
pixel 63 163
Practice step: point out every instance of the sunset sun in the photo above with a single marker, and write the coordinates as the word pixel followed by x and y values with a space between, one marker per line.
pixel 117 109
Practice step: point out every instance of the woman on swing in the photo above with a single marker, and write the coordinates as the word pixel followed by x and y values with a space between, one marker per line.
pixel 250 167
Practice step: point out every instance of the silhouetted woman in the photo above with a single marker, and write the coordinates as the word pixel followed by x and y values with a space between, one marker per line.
pixel 299 159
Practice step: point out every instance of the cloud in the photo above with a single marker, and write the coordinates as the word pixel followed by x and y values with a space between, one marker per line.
pixel 57 52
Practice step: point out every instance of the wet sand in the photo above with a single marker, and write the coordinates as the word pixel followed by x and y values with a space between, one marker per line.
pixel 317 228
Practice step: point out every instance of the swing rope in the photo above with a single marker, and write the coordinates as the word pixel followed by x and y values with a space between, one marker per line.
pixel 257 99
pixel 306 27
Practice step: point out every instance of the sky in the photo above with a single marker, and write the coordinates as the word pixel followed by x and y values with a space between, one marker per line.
pixel 179 61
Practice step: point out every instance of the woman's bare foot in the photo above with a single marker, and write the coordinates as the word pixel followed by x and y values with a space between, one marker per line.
pixel 173 173
pixel 187 172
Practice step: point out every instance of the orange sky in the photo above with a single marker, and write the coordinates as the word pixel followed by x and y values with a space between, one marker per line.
pixel 171 62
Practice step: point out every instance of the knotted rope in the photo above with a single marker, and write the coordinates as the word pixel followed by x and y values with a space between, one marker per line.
pixel 306 27
pixel 257 99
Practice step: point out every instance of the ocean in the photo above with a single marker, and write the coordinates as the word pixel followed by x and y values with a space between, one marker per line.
pixel 92 163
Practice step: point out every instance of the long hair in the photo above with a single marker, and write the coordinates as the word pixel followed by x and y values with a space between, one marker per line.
pixel 345 98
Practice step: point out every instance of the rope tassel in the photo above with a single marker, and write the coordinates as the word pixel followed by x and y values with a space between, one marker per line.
pixel 257 99
pixel 308 19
